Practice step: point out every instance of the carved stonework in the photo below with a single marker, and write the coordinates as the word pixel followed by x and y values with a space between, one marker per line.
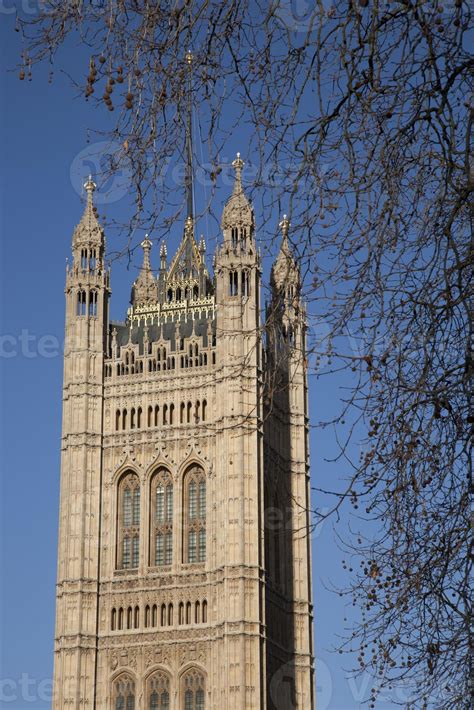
pixel 173 581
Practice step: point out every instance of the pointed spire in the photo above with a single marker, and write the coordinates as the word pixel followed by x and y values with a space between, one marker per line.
pixel 238 164
pixel 189 145
pixel 163 256
pixel 145 288
pixel 285 228
pixel 238 209
pixel 285 271
pixel 146 246
pixel 88 231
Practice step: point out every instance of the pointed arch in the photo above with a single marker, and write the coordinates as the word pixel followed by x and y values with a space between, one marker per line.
pixel 193 688
pixel 158 691
pixel 123 692
pixel 128 521
pixel 194 515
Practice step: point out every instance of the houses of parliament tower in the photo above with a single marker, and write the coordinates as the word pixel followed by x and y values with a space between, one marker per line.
pixel 184 570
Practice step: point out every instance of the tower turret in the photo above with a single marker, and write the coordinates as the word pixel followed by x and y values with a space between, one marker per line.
pixel 238 219
pixel 237 260
pixel 87 304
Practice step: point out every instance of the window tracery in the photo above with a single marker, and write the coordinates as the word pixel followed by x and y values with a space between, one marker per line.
pixel 128 519
pixel 124 693
pixel 161 543
pixel 193 690
pixel 158 692
pixel 195 515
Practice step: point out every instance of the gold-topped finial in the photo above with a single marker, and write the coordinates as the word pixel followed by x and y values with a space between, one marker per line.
pixel 146 243
pixel 89 184
pixel 285 226
pixel 189 58
pixel 238 164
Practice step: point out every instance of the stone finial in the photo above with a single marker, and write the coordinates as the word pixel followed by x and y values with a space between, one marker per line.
pixel 285 227
pixel 163 256
pixel 238 164
pixel 144 288
pixel 146 246
pixel 89 185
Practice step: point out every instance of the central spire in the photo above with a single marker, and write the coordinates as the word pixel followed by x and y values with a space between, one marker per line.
pixel 189 144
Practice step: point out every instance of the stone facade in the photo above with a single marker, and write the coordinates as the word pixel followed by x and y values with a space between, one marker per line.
pixel 184 571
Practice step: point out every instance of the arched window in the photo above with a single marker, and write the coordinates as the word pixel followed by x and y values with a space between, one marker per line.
pixel 147 616
pixel 81 303
pixel 233 283
pixel 195 515
pixel 93 303
pixel 157 414
pixel 204 410
pixel 139 418
pixel 234 234
pixel 182 411
pixel 154 615
pixel 161 528
pixel 129 618
pixel 193 690
pixel 189 410
pixel 163 615
pixel 197 613
pixel 245 283
pixel 171 414
pixel 124 693
pixel 204 612
pixel 188 612
pixel 113 622
pixel 128 520
pixel 120 619
pixel 136 618
pixel 150 416
pixel 243 238
pixel 158 692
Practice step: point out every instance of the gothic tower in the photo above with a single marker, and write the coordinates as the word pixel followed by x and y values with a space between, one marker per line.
pixel 184 553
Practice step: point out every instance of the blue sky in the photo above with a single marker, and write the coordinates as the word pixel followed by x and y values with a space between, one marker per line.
pixel 43 139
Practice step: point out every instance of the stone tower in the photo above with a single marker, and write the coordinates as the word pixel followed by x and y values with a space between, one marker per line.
pixel 184 572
